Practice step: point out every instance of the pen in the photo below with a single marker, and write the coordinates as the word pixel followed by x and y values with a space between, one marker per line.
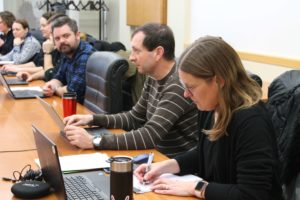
pixel 148 166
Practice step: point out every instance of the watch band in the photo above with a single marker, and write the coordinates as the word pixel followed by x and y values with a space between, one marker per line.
pixel 97 141
pixel 200 188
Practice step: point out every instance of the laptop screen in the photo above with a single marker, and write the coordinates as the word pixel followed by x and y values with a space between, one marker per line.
pixel 49 162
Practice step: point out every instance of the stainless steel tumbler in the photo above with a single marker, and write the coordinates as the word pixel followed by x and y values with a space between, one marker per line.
pixel 121 180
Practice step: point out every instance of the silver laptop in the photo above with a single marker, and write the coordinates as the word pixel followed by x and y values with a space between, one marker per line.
pixel 25 93
pixel 59 122
pixel 84 185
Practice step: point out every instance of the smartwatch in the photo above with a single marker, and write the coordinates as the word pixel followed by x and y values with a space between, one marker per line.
pixel 200 187
pixel 97 141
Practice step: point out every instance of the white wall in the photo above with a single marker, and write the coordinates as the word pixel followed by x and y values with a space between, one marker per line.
pixel 269 27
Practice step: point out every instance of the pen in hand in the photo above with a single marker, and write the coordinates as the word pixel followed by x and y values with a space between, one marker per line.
pixel 148 166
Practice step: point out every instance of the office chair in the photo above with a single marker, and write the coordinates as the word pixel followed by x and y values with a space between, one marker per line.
pixel 104 73
pixel 284 108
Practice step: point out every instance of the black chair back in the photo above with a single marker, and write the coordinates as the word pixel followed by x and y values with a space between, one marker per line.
pixel 104 73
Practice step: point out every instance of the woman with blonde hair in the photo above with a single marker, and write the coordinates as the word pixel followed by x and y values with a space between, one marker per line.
pixel 236 155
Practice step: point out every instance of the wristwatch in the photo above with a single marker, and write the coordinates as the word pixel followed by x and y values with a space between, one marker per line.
pixel 97 141
pixel 200 188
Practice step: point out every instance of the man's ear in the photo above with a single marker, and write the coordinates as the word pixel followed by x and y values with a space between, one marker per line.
pixel 159 52
pixel 77 35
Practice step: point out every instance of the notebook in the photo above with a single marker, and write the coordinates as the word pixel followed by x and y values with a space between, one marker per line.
pixel 59 122
pixel 94 183
pixel 22 92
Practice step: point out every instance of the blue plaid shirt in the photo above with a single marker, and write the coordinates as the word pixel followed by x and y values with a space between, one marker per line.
pixel 71 72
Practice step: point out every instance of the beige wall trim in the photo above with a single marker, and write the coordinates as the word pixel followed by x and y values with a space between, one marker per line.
pixel 292 63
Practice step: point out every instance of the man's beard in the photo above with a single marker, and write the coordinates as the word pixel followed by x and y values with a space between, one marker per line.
pixel 66 49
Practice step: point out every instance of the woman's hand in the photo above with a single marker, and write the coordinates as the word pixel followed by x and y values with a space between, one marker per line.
pixel 18 41
pixel 174 187
pixel 25 76
pixel 156 169
pixel 10 68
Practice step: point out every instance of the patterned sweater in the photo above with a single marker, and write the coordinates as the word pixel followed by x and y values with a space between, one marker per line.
pixel 161 119
pixel 24 52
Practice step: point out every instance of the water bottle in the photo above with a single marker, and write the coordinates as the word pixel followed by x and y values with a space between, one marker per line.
pixel 121 180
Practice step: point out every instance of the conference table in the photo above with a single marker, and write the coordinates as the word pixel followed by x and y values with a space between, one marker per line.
pixel 18 148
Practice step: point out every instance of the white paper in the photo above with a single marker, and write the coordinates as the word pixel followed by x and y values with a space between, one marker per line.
pixel 82 162
pixel 36 88
pixel 142 188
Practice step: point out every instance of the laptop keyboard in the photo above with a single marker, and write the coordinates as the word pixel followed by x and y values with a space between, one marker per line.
pixel 16 82
pixel 81 188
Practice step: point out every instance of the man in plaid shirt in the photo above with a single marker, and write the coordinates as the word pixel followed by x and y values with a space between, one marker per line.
pixel 71 74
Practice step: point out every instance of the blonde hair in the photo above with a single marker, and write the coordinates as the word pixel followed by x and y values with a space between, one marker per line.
pixel 211 56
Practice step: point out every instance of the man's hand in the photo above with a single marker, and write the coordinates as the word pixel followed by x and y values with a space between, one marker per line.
pixel 79 137
pixel 49 89
pixel 78 120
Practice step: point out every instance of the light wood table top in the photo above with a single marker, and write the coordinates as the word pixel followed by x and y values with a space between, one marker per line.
pixel 16 117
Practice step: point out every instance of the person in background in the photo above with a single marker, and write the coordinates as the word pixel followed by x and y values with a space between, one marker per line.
pixel 7 37
pixel 236 155
pixel 25 45
pixel 36 64
pixel 49 57
pixel 161 119
pixel 71 70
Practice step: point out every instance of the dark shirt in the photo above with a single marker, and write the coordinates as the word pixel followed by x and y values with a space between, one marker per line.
pixel 242 165
pixel 8 43
pixel 56 60
pixel 71 72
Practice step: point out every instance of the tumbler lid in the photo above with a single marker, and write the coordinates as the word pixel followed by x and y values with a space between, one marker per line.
pixel 121 164
pixel 69 95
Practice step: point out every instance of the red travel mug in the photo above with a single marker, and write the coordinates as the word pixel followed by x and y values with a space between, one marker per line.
pixel 69 103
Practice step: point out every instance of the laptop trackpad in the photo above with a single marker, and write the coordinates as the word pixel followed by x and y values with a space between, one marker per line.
pixel 96 131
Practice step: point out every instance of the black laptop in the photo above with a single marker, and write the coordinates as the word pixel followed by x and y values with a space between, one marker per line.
pixel 16 81
pixel 95 131
pixel 84 185
pixel 22 92
pixel 8 73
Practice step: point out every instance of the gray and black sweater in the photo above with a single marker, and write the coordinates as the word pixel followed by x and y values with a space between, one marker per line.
pixel 161 119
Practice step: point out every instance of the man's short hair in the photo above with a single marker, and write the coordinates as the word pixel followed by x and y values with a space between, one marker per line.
pixel 158 35
pixel 65 20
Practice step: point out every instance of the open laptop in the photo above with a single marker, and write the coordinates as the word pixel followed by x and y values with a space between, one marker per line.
pixel 22 92
pixel 16 81
pixel 67 186
pixel 59 122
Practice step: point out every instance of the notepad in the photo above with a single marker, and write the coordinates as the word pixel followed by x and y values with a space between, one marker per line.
pixel 139 187
pixel 82 162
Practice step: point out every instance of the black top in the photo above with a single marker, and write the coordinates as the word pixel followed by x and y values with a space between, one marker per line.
pixel 8 43
pixel 242 165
